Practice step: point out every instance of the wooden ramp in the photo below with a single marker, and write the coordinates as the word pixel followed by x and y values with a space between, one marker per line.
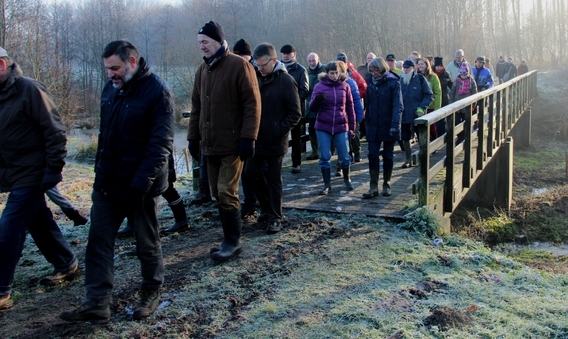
pixel 301 191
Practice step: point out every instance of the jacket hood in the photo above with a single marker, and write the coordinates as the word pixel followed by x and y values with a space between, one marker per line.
pixel 324 78
pixel 16 74
pixel 143 71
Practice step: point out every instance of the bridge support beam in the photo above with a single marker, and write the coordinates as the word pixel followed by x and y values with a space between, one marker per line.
pixel 494 186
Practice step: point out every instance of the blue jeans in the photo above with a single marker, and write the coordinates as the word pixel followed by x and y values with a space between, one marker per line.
pixel 106 217
pixel 25 211
pixel 341 142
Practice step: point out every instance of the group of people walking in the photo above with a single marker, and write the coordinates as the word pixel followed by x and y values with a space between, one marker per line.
pixel 245 106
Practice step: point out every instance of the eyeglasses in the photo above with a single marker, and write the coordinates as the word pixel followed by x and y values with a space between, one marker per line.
pixel 374 71
pixel 262 65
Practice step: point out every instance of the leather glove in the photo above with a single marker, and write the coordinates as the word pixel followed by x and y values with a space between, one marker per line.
pixel 351 135
pixel 419 112
pixel 135 198
pixel 193 147
pixel 394 132
pixel 320 97
pixel 246 148
pixel 50 179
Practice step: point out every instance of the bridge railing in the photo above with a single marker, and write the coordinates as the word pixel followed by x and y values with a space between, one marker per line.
pixel 489 117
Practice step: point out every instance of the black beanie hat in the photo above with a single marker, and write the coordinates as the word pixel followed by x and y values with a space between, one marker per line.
pixel 214 31
pixel 438 61
pixel 288 49
pixel 242 48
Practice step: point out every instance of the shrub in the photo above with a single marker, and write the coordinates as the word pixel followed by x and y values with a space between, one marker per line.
pixel 423 221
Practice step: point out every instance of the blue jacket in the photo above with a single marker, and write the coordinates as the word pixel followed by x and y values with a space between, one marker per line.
pixel 384 108
pixel 357 105
pixel 482 78
pixel 417 93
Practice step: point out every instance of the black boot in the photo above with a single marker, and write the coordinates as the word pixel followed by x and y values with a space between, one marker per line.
pixel 126 231
pixel 231 246
pixel 386 182
pixel 75 216
pixel 347 179
pixel 181 224
pixel 374 184
pixel 326 174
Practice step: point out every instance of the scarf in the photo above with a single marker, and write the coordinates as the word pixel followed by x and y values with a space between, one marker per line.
pixel 464 86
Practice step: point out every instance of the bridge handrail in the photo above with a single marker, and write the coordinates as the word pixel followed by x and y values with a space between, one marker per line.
pixel 498 108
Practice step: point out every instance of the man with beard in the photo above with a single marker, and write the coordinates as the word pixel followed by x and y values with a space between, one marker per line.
pixel 299 73
pixel 131 172
pixel 417 96
pixel 225 117
pixel 314 69
pixel 280 113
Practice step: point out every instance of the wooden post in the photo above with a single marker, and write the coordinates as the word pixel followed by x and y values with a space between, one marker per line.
pixel 566 157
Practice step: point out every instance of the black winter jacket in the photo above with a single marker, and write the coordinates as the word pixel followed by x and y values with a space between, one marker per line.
pixel 280 111
pixel 32 136
pixel 136 136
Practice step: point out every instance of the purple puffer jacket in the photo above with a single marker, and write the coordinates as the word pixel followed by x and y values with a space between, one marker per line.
pixel 335 114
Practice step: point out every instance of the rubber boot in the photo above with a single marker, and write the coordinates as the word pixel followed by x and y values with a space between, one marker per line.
pixel 408 153
pixel 374 184
pixel 126 231
pixel 347 179
pixel 181 224
pixel 75 216
pixel 326 174
pixel 386 182
pixel 231 246
pixel 337 170
pixel 315 152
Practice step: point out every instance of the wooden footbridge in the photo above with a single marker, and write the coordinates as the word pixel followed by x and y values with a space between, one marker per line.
pixel 444 173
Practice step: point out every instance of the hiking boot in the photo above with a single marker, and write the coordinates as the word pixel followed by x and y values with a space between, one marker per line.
pixel 149 301
pixel 6 302
pixel 87 312
pixel 125 232
pixel 274 227
pixel 59 277
pixel 296 169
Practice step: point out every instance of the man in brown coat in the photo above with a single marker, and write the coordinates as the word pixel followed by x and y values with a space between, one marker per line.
pixel 225 117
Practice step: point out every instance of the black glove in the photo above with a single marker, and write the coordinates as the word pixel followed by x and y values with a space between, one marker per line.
pixel 50 179
pixel 320 97
pixel 193 147
pixel 135 198
pixel 394 132
pixel 246 149
pixel 351 135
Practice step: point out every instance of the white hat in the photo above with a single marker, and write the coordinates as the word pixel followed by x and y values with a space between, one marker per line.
pixel 3 52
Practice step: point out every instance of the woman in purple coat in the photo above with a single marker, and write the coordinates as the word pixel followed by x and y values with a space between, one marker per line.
pixel 333 102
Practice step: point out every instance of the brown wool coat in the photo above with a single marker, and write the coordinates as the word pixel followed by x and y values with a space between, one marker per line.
pixel 225 105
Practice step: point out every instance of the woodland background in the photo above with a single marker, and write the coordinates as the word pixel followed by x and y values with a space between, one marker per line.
pixel 60 42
